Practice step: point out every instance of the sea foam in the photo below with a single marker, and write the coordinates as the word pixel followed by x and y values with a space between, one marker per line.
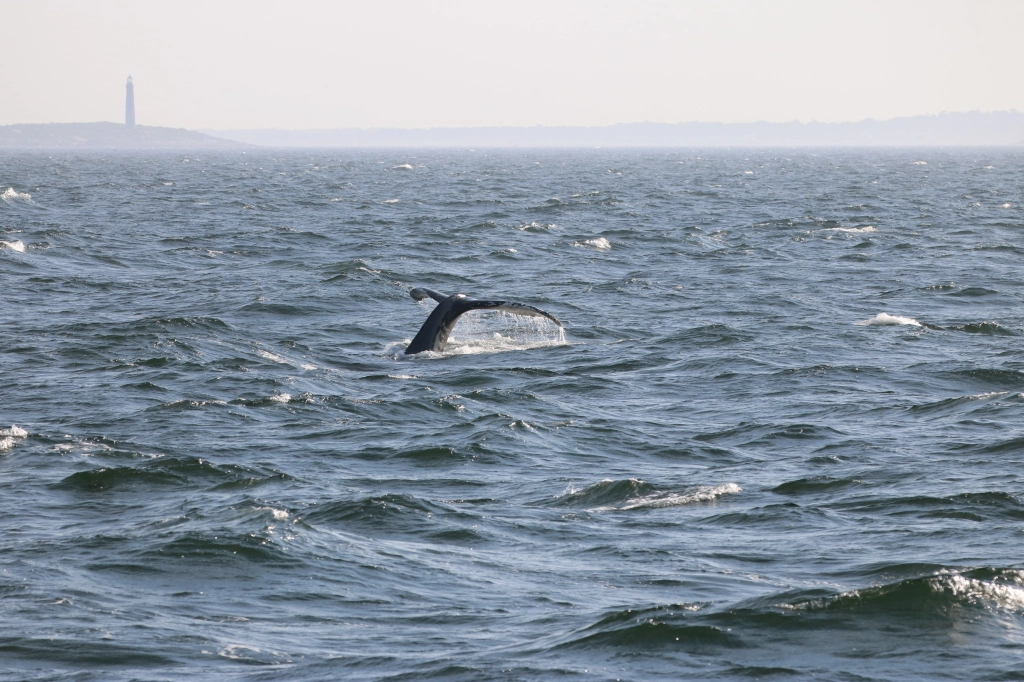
pixel 16 245
pixel 704 493
pixel 853 230
pixel 887 320
pixel 11 195
pixel 9 437
pixel 600 243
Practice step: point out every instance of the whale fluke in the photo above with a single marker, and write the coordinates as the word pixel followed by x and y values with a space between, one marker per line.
pixel 433 335
pixel 419 294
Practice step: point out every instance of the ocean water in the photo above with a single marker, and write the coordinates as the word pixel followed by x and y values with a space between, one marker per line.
pixel 780 437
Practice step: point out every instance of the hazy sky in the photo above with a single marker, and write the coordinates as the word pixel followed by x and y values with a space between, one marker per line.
pixel 236 64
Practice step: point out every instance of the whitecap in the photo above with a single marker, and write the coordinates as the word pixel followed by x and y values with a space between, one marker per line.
pixel 403 166
pixel 1000 595
pixel 273 358
pixel 885 319
pixel 1005 592
pixel 534 226
pixel 307 366
pixel 9 437
pixel 16 245
pixel 279 514
pixel 390 201
pixel 395 348
pixel 704 493
pixel 918 163
pixel 10 194
pixel 854 230
pixel 600 243
pixel 281 397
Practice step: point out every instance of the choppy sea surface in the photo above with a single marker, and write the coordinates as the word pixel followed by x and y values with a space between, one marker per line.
pixel 781 436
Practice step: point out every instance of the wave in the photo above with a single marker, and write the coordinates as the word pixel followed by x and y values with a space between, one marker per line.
pixel 356 268
pixel 219 547
pixel 10 195
pixel 1004 446
pixel 948 403
pixel 885 319
pixel 707 335
pixel 1010 379
pixel 653 627
pixel 147 325
pixel 986 328
pixel 274 399
pixel 934 601
pixel 16 245
pixel 10 437
pixel 983 588
pixel 967 506
pixel 534 226
pixel 53 651
pixel 282 309
pixel 599 243
pixel 185 404
pixel 632 493
pixel 852 230
pixel 400 514
pixel 749 433
pixel 973 292
pixel 167 472
pixel 818 484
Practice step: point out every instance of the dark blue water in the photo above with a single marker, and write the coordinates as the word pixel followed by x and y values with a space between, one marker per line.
pixel 781 438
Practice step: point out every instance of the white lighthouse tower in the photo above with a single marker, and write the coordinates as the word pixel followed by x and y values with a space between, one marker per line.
pixel 129 104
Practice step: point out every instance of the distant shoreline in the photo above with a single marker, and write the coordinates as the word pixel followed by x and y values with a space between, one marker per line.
pixel 952 129
pixel 106 136
pixel 970 129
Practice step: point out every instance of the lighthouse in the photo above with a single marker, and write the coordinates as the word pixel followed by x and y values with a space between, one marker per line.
pixel 129 104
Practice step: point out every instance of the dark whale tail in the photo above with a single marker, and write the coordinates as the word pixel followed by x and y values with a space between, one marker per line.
pixel 433 335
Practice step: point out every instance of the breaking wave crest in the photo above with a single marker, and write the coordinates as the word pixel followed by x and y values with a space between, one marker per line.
pixel 887 320
pixel 10 195
pixel 600 243
pixel 984 588
pixel 10 437
pixel 628 494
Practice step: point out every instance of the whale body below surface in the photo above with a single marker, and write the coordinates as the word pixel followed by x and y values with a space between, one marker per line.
pixel 433 335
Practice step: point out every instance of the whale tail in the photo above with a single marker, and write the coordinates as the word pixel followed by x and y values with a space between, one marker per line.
pixel 433 335
pixel 420 293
